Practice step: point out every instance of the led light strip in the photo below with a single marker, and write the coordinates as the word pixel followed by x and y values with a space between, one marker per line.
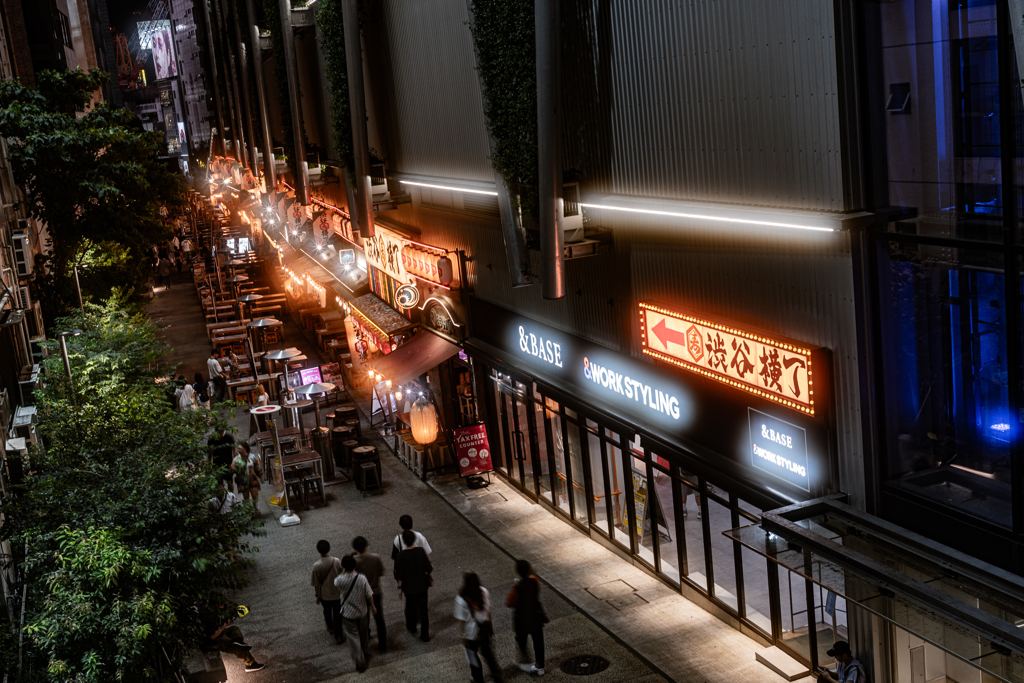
pixel 705 217
pixel 446 187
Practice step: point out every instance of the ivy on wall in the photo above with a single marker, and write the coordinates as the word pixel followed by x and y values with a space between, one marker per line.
pixel 331 28
pixel 504 39
pixel 272 19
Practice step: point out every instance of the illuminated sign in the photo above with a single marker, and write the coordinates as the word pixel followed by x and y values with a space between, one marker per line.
pixel 534 344
pixel 780 371
pixel 778 448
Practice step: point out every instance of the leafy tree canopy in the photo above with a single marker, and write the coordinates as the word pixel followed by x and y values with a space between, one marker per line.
pixel 93 177
pixel 122 550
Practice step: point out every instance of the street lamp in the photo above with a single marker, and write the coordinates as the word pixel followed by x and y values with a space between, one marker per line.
pixel 67 364
pixel 78 288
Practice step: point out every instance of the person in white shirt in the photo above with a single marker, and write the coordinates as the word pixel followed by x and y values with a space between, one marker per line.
pixel 473 608
pixel 187 399
pixel 225 500
pixel 213 366
pixel 356 595
pixel 405 521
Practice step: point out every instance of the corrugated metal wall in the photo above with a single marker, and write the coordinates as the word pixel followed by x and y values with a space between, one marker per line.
pixel 424 88
pixel 711 100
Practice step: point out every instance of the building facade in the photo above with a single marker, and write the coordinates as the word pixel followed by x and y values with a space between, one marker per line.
pixel 785 376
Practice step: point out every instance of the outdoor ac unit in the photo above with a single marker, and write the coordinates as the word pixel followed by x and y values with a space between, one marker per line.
pixel 28 381
pixel 23 253
pixel 24 425
pixel 5 411
pixel 17 447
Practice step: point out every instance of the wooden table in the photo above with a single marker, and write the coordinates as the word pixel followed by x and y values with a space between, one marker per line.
pixel 302 459
pixel 234 384
pixel 219 332
pixel 220 342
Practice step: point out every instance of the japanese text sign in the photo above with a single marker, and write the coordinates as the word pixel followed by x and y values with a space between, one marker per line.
pixel 472 450
pixel 780 371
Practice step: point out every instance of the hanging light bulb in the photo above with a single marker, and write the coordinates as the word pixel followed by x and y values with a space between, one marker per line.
pixel 398 395
pixel 379 378
pixel 388 384
pixel 370 373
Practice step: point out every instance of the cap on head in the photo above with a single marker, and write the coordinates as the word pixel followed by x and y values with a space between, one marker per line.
pixel 841 647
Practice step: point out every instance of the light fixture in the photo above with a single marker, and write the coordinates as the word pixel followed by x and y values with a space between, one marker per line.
pixel 706 217
pixel 371 373
pixel 398 395
pixel 447 187
pixel 379 377
pixel 388 384
pixel 423 420
pixel 1001 427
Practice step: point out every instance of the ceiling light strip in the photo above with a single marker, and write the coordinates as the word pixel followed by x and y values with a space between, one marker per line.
pixel 448 187
pixel 705 217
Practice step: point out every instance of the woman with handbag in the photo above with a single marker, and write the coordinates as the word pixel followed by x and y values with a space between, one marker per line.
pixel 529 618
pixel 473 606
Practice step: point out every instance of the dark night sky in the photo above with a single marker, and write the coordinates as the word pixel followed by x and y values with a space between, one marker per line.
pixel 123 16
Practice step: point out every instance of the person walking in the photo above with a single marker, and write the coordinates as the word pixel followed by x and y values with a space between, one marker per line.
pixel 325 571
pixel 414 574
pixel 356 598
pixel 202 389
pixel 163 270
pixel 216 372
pixel 529 617
pixel 405 522
pixel 187 399
pixel 473 607
pixel 186 251
pixel 248 471
pixel 371 566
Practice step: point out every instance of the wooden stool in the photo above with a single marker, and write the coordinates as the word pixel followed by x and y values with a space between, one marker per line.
pixel 311 485
pixel 330 420
pixel 346 448
pixel 295 490
pixel 417 458
pixel 398 440
pixel 368 479
pixel 354 423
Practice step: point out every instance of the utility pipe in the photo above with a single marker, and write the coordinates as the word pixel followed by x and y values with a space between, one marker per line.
pixel 549 155
pixel 243 63
pixel 261 97
pixel 357 106
pixel 288 35
pixel 228 80
pixel 213 69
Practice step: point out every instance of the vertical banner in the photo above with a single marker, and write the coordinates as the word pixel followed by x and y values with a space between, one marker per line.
pixel 472 450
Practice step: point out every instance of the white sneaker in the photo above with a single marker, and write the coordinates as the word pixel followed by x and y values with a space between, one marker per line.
pixel 535 670
pixel 526 666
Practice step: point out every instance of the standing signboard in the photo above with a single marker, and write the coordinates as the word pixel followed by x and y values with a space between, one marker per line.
pixel 472 450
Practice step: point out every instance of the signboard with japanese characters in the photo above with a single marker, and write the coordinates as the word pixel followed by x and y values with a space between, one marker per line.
pixel 384 252
pixel 776 369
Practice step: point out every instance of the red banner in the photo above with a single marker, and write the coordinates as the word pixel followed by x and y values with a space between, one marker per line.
pixel 472 450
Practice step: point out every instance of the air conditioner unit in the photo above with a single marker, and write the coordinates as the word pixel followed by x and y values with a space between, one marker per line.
pixel 23 253
pixel 28 382
pixel 24 425
pixel 5 411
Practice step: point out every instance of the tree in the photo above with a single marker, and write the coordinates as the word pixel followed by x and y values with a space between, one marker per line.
pixel 123 550
pixel 94 179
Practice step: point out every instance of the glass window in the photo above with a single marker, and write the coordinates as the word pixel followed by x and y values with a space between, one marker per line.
pixel 665 495
pixel 693 537
pixel 756 603
pixel 617 494
pixel 543 451
pixel 644 498
pixel 950 429
pixel 720 518
pixel 499 403
pixel 525 439
pixel 514 455
pixel 600 488
pixel 561 471
pixel 579 487
pixel 793 603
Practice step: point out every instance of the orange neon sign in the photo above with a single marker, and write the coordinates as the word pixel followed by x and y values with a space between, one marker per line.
pixel 777 370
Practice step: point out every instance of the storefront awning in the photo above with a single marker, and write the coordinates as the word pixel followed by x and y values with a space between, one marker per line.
pixel 381 317
pixel 415 357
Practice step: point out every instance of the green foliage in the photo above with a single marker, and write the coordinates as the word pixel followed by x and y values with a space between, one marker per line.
pixel 94 180
pixel 503 35
pixel 272 18
pixel 332 30
pixel 123 550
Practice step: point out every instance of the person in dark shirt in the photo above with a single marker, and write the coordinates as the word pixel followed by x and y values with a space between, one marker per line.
pixel 414 574
pixel 222 448
pixel 224 636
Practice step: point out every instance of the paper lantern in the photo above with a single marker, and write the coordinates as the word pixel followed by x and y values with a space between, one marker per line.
pixel 423 418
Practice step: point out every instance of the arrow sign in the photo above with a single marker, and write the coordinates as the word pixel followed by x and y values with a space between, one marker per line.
pixel 667 336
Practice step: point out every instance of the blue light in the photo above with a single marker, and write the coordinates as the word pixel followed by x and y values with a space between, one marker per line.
pixel 1000 427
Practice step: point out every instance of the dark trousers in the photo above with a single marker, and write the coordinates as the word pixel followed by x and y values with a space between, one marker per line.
pixel 332 615
pixel 225 642
pixel 538 644
pixel 378 618
pixel 416 612
pixel 476 648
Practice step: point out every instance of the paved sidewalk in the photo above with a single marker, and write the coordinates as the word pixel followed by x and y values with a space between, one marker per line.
pixel 681 639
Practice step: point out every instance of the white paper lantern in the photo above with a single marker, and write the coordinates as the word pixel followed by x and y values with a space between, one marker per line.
pixel 423 419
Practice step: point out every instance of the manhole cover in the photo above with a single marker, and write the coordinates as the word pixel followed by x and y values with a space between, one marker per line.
pixel 585 665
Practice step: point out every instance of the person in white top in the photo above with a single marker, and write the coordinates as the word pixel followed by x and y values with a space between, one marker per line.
pixel 213 366
pixel 405 521
pixel 187 399
pixel 473 608
pixel 225 500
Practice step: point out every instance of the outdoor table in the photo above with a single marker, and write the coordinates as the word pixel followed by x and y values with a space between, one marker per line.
pixel 296 413
pixel 303 459
pixel 234 384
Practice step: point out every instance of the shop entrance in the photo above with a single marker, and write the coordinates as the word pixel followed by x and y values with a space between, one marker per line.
pixel 519 443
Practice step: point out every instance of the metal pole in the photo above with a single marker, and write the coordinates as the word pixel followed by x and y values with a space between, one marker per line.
pixel 67 367
pixel 288 35
pixel 257 64
pixel 78 287
pixel 229 82
pixel 549 181
pixel 357 106
pixel 244 67
pixel 213 70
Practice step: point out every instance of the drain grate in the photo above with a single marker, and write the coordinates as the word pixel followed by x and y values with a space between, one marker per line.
pixel 585 665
